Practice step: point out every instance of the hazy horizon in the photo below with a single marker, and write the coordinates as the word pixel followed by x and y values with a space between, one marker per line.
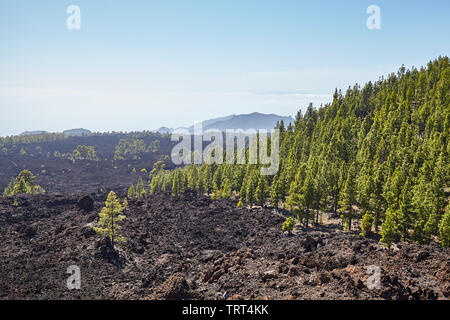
pixel 187 126
pixel 142 65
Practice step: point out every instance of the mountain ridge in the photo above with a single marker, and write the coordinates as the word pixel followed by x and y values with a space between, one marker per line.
pixel 246 121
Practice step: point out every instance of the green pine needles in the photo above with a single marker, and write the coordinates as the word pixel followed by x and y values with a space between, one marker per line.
pixel 110 217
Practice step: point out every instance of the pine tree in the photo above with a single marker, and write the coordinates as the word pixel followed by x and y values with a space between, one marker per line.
pixel 320 193
pixel 390 228
pixel 405 210
pixel 24 183
pixel 444 228
pixel 27 176
pixel 192 178
pixel 176 183
pixel 110 217
pixel 9 190
pixel 366 224
pixel 21 187
pixel 261 191
pixel 243 191
pixel 139 187
pixel 275 193
pixel 332 180
pixel 226 190
pixel 294 202
pixel 217 178
pixel 131 192
pixel 200 185
pixel 251 188
pixel 377 196
pixel 157 167
pixel 208 177
pixel 308 197
pixel 394 188
pixel 365 185
pixel 349 196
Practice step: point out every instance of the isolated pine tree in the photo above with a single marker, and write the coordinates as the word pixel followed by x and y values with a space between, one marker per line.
pixel 27 176
pixel 21 187
pixel 110 217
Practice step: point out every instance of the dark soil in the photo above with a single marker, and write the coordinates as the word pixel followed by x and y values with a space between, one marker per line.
pixel 63 175
pixel 193 248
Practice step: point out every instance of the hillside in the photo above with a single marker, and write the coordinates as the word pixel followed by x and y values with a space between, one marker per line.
pixel 363 183
pixel 52 158
pixel 195 248
pixel 377 157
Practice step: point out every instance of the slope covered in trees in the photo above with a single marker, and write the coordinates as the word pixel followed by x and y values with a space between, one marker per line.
pixel 378 153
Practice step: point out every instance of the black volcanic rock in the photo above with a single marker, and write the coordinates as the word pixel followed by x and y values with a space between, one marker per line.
pixel 86 203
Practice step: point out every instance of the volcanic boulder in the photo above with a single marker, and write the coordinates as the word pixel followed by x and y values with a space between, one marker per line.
pixel 174 288
pixel 86 203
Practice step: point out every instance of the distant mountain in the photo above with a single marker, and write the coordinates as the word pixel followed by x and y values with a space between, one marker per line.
pixel 210 122
pixel 77 132
pixel 243 121
pixel 254 120
pixel 164 130
pixel 33 133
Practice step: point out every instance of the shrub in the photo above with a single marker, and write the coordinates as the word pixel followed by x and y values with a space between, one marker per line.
pixel 288 225
pixel 366 224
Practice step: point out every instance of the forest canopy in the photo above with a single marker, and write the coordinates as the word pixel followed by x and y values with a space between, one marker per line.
pixel 377 153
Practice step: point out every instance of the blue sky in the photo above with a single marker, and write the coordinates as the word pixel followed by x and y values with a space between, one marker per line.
pixel 139 65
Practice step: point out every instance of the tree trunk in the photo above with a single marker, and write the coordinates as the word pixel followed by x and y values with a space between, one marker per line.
pixel 112 231
pixel 377 220
pixel 350 220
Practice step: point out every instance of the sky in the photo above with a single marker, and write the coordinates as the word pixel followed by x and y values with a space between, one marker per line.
pixel 139 65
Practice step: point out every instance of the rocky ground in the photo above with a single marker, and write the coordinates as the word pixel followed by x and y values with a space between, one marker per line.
pixel 64 175
pixel 56 175
pixel 194 248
